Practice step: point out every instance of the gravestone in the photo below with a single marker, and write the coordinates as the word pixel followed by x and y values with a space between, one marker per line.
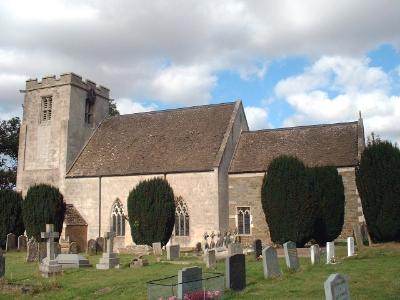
pixel 22 243
pixel 32 253
pixel 101 245
pixel 235 272
pixel 189 280
pixel 270 263
pixel 337 287
pixel 210 259
pixel 11 242
pixel 157 250
pixel 73 248
pixel 91 247
pixel 173 252
pixel 358 236
pixel 257 246
pixel 291 258
pixel 330 252
pixel 109 259
pixel 234 248
pixel 198 249
pixel 138 262
pixel 72 261
pixel 315 254
pixel 42 251
pixel 49 266
pixel 2 264
pixel 64 243
pixel 350 246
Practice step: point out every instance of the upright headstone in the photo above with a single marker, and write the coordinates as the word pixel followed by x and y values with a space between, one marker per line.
pixel 210 259
pixel 109 259
pixel 234 248
pixel 101 245
pixel 235 272
pixel 337 287
pixel 291 258
pixel 73 248
pixel 173 252
pixel 11 242
pixel 270 262
pixel 157 250
pixel 350 246
pixel 32 253
pixel 49 266
pixel 358 236
pixel 92 247
pixel 257 246
pixel 315 254
pixel 2 264
pixel 189 280
pixel 330 252
pixel 22 243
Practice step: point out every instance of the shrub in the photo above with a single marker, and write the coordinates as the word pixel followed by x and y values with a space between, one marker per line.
pixel 285 195
pixel 10 215
pixel 378 183
pixel 151 211
pixel 327 188
pixel 43 204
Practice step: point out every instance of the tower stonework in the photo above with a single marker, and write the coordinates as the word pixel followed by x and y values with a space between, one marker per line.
pixel 60 114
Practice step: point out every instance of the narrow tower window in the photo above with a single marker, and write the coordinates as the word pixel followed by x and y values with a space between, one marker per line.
pixel 47 104
pixel 89 105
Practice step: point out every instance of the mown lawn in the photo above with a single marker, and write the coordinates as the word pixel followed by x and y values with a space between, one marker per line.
pixel 374 274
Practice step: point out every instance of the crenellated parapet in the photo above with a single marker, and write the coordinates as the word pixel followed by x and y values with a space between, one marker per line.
pixel 67 79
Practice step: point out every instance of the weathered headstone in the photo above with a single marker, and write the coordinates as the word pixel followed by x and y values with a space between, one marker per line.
pixel 337 287
pixel 330 252
pixel 32 253
pixel 72 261
pixel 91 247
pixel 270 262
pixel 101 245
pixel 235 248
pixel 138 262
pixel 358 236
pixel 2 264
pixel 42 251
pixel 11 242
pixel 291 258
pixel 173 252
pixel 157 250
pixel 189 280
pixel 235 272
pixel 350 246
pixel 73 248
pixel 22 243
pixel 257 246
pixel 109 259
pixel 210 259
pixel 49 266
pixel 315 254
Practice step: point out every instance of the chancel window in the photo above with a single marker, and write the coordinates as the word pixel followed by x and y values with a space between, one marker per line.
pixel 47 105
pixel 118 218
pixel 181 218
pixel 243 220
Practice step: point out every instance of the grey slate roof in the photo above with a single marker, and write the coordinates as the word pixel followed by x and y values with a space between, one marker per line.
pixel 317 145
pixel 177 140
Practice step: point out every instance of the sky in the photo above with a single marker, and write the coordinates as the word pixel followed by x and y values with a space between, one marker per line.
pixel 290 62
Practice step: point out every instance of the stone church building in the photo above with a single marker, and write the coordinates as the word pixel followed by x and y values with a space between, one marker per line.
pixel 214 164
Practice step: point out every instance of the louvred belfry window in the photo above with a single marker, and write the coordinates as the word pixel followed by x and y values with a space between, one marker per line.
pixel 47 106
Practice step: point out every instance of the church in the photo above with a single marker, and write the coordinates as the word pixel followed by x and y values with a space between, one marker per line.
pixel 211 159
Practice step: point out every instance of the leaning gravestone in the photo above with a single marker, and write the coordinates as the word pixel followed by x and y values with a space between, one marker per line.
pixel 291 258
pixel 234 248
pixel 49 266
pixel 91 247
pixel 11 242
pixel 2 264
pixel 157 250
pixel 235 272
pixel 358 236
pixel 270 263
pixel 173 252
pixel 350 246
pixel 337 287
pixel 330 252
pixel 22 243
pixel 315 254
pixel 257 246
pixel 189 280
pixel 32 253
pixel 109 259
pixel 210 259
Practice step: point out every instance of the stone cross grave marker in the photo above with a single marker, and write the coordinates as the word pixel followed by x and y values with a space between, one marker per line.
pixel 337 287
pixel 173 252
pixel 235 272
pixel 2 264
pixel 49 265
pixel 330 252
pixel 315 254
pixel 210 259
pixel 157 250
pixel 11 242
pixel 189 280
pixel 358 236
pixel 257 246
pixel 350 246
pixel 291 258
pixel 109 259
pixel 270 262
pixel 32 253
pixel 22 243
pixel 235 248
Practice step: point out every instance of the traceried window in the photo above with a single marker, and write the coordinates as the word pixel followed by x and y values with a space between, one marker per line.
pixel 118 218
pixel 181 218
pixel 47 105
pixel 243 220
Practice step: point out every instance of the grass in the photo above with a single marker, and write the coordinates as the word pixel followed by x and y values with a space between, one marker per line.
pixel 374 274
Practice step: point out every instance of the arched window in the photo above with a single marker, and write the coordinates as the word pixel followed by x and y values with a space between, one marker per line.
pixel 243 220
pixel 118 218
pixel 181 218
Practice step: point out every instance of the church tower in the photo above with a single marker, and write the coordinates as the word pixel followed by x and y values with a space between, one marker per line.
pixel 60 115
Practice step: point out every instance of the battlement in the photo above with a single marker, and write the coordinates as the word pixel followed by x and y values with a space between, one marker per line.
pixel 66 79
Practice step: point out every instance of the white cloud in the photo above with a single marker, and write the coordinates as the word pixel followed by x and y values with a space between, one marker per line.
pixel 128 106
pixel 257 117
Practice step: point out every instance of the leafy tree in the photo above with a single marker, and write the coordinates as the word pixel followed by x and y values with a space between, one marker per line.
pixel 9 137
pixel 151 211
pixel 378 183
pixel 113 110
pixel 10 215
pixel 43 204
pixel 289 209
pixel 327 189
